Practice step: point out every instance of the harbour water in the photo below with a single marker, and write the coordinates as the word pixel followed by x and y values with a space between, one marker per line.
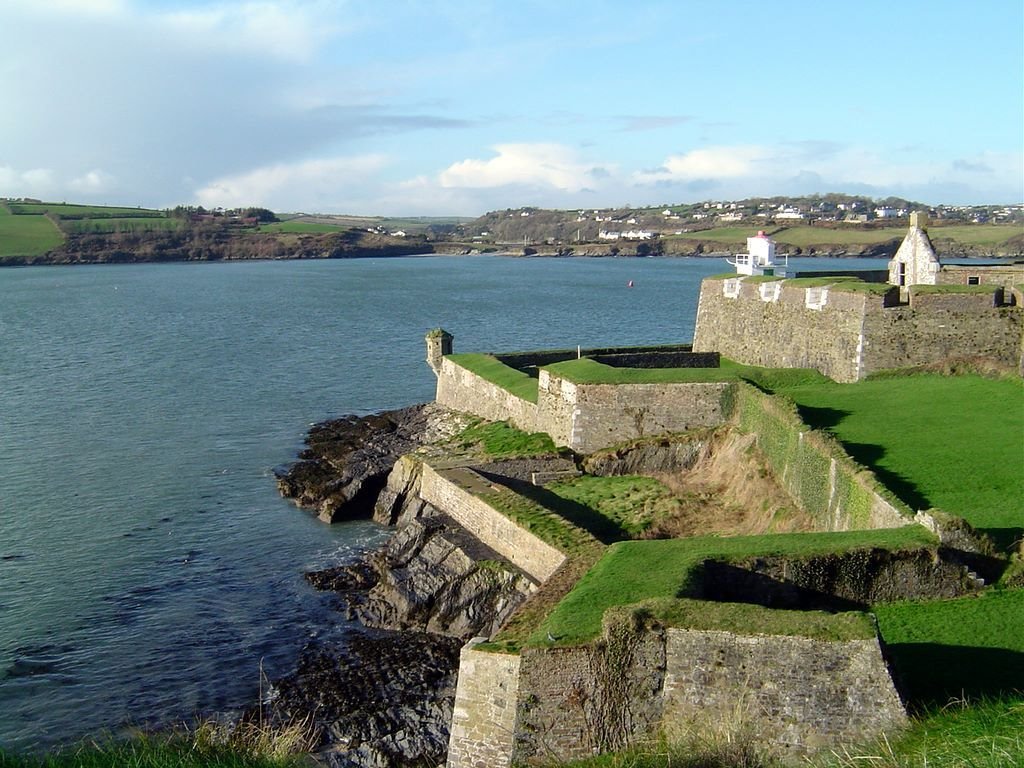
pixel 148 568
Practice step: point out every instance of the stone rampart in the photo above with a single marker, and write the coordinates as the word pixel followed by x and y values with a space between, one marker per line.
pixel 462 390
pixel 520 547
pixel 780 325
pixel 939 327
pixel 588 417
pixel 847 334
pixel 792 693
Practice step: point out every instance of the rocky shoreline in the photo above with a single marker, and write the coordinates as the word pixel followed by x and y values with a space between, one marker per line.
pixel 386 697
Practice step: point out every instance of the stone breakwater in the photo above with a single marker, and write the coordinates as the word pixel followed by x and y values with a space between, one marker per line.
pixel 386 698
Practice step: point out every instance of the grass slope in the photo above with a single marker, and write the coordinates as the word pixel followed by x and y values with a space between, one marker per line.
pixel 976 642
pixel 26 235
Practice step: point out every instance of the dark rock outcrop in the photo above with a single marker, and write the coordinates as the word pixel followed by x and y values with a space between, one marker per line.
pixel 346 461
pixel 386 697
pixel 383 700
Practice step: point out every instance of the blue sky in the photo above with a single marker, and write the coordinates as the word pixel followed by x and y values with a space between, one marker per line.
pixel 455 107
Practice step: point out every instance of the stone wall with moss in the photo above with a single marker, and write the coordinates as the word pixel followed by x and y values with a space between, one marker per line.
pixel 463 390
pixel 535 557
pixel 815 470
pixel 793 694
pixel 786 693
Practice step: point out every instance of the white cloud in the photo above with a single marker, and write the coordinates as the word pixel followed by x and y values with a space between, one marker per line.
pixel 284 28
pixel 545 165
pixel 93 182
pixel 708 163
pixel 34 182
pixel 313 185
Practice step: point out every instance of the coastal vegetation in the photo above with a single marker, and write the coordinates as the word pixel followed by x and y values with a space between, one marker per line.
pixel 98 234
pixel 631 572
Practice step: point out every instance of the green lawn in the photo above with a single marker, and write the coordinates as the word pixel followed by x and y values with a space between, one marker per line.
pixel 27 235
pixel 634 571
pixel 978 234
pixel 302 227
pixel 493 370
pixel 952 649
pixel 952 442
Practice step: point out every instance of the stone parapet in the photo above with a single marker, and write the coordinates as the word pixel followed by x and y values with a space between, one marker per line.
pixel 535 557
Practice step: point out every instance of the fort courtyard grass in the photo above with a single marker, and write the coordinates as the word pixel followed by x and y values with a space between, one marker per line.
pixel 951 442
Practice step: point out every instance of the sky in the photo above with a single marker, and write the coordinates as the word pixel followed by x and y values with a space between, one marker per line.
pixel 458 107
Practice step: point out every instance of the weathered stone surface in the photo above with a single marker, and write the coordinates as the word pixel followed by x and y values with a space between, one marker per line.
pixel 433 577
pixel 661 455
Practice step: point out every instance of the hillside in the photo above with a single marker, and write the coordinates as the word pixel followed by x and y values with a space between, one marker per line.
pixel 34 232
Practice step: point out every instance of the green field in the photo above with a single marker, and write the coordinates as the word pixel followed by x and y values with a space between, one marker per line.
pixel 978 234
pixel 803 236
pixel 977 642
pixel 952 442
pixel 301 228
pixel 72 211
pixel 27 235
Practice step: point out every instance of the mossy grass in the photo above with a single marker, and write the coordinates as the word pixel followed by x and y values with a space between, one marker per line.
pixel 859 286
pixel 755 279
pixel 500 440
pixel 633 571
pixel 548 526
pixel 977 643
pixel 493 370
pixel 630 503
pixel 747 619
pixel 587 371
pixel 821 282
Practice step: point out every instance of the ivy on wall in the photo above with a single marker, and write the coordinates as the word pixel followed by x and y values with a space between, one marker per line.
pixel 839 493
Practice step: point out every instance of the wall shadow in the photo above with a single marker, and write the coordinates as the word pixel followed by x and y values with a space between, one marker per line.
pixel 930 675
pixel 869 455
pixel 603 529
pixel 821 418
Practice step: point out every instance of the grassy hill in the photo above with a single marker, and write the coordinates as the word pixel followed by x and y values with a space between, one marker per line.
pixel 27 234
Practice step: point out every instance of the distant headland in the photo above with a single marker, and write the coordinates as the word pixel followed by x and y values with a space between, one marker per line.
pixel 38 232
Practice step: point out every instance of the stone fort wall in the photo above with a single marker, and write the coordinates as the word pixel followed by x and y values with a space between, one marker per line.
pixel 517 545
pixel 587 417
pixel 793 694
pixel 847 334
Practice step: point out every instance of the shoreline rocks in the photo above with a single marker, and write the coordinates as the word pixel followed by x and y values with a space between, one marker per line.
pixel 385 698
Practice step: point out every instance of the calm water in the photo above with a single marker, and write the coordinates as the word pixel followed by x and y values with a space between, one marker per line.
pixel 148 566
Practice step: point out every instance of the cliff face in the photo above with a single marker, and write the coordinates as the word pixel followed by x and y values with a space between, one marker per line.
pixel 386 698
